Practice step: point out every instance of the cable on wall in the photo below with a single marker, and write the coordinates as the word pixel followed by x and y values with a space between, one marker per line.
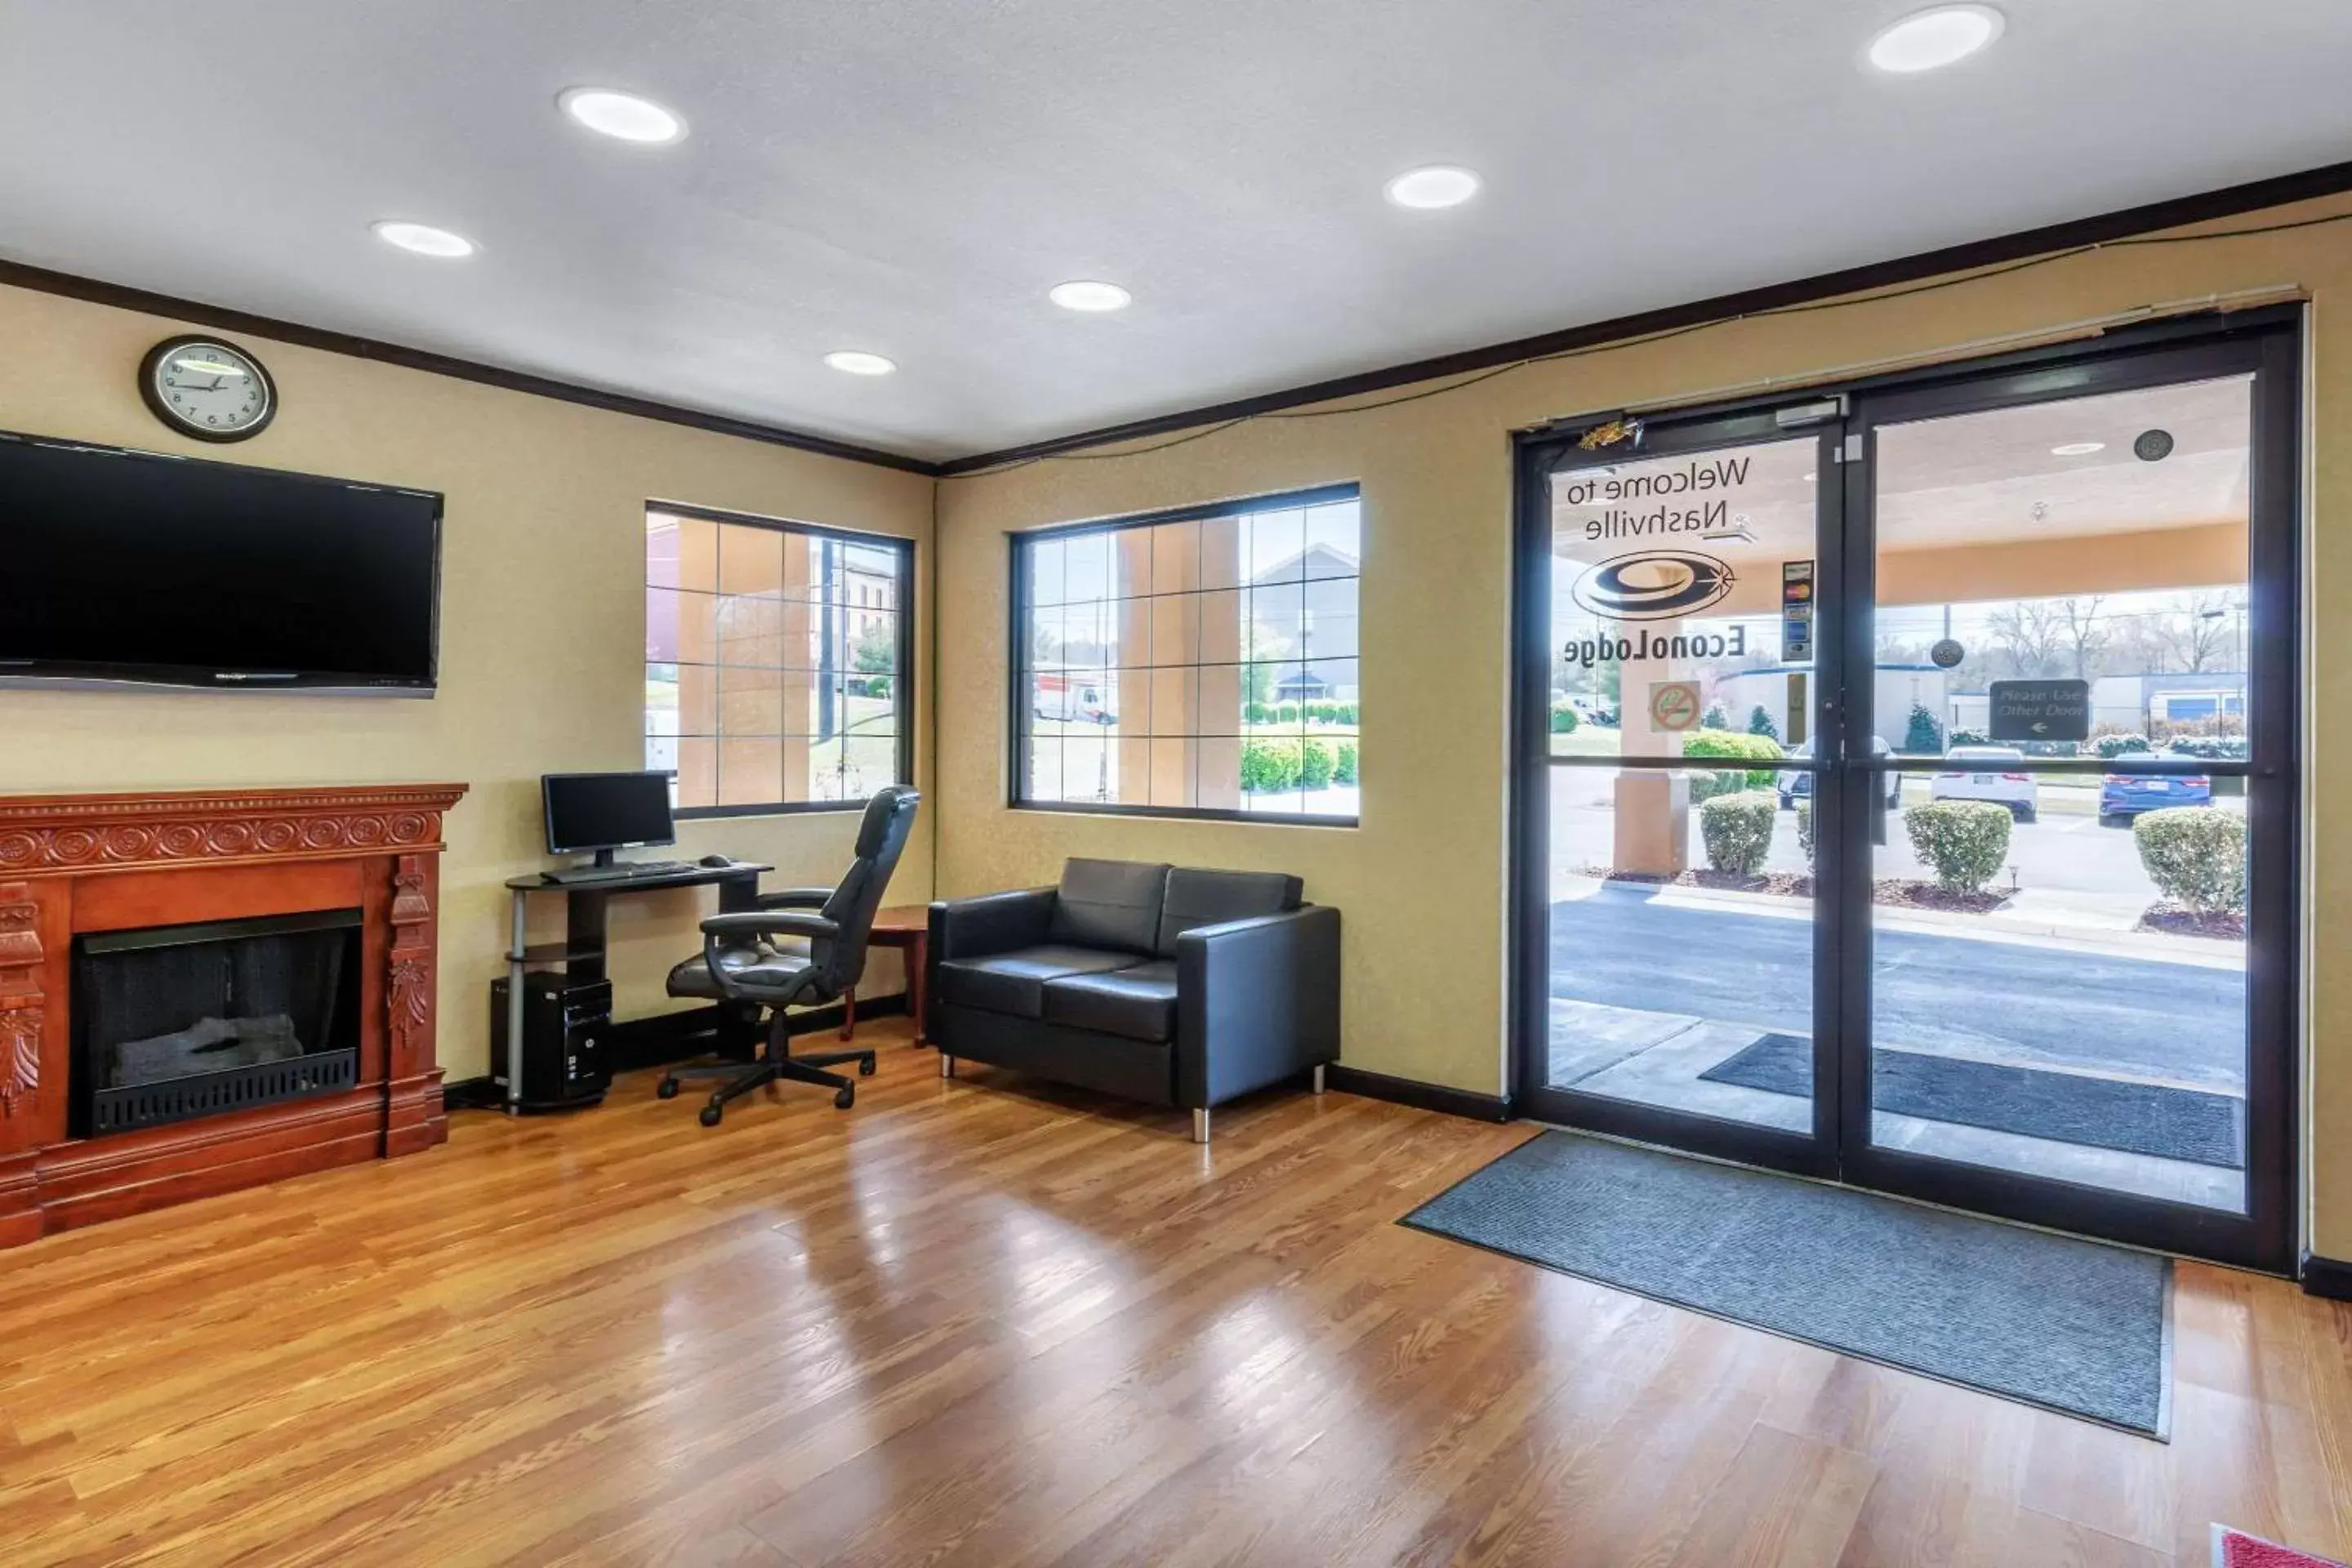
pixel 1849 301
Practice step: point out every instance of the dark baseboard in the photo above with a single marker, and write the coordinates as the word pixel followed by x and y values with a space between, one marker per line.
pixel 1412 1091
pixel 2328 1277
pixel 666 1037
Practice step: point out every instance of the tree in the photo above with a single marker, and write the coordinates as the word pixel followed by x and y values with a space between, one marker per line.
pixel 2026 638
pixel 1714 718
pixel 2049 636
pixel 1924 736
pixel 876 650
pixel 1760 723
pixel 2086 634
pixel 2199 634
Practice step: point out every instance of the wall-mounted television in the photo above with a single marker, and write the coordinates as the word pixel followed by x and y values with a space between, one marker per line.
pixel 141 568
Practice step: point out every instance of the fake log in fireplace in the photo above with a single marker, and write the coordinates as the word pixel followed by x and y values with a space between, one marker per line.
pixel 208 990
pixel 176 1022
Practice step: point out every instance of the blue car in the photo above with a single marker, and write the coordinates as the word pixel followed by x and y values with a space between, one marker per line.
pixel 2124 795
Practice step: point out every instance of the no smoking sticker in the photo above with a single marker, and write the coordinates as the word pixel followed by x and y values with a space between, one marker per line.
pixel 1674 705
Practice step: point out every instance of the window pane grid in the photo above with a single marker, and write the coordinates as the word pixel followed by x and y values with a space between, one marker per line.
pixel 1205 664
pixel 773 662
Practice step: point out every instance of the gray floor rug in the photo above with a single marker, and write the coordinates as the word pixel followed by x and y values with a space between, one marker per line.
pixel 2074 1326
pixel 2069 1108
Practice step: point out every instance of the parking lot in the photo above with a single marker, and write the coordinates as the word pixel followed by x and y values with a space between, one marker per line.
pixel 2064 866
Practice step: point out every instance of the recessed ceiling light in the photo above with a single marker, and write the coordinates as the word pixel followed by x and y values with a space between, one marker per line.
pixel 1439 185
pixel 856 362
pixel 1930 39
pixel 621 115
pixel 2078 448
pixel 1087 294
pixel 423 238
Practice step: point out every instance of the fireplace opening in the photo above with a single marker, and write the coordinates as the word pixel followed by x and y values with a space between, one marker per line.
pixel 178 1022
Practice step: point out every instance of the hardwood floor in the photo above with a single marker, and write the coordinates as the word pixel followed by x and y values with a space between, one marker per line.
pixel 974 1323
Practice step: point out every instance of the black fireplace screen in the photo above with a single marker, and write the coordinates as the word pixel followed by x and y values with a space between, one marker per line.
pixel 180 1021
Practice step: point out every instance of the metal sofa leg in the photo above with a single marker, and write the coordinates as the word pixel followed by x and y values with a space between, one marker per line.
pixel 947 1065
pixel 1200 1127
pixel 1318 1077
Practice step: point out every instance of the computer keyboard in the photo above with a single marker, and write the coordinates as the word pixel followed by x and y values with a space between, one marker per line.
pixel 622 869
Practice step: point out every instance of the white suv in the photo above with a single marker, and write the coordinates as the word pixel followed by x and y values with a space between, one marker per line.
pixel 1988 773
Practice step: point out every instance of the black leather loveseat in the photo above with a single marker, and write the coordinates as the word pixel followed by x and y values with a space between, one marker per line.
pixel 1161 983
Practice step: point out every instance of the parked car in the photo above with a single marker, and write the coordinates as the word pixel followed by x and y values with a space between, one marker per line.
pixel 2123 796
pixel 1795 786
pixel 1996 773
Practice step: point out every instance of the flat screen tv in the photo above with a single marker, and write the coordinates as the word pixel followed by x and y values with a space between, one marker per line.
pixel 126 566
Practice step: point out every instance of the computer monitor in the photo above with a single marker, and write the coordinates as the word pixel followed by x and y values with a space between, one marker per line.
pixel 604 811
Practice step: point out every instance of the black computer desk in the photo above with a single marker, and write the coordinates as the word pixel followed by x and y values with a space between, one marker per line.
pixel 582 952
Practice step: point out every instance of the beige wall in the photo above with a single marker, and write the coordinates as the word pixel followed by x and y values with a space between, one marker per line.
pixel 1421 881
pixel 542 624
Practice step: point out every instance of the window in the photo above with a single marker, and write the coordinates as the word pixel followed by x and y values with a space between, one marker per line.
pixel 1200 663
pixel 776 661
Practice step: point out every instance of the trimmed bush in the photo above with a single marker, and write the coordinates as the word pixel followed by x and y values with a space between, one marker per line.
pixel 1314 765
pixel 1760 723
pixel 2195 856
pixel 1964 840
pixel 1738 829
pixel 2122 745
pixel 1256 713
pixel 1732 744
pixel 1744 748
pixel 1805 829
pixel 1269 767
pixel 1564 719
pixel 1970 738
pixel 1344 770
pixel 1287 713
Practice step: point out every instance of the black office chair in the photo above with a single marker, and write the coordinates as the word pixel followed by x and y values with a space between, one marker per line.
pixel 780 956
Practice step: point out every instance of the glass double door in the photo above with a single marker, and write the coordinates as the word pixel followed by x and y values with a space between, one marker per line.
pixel 1906 787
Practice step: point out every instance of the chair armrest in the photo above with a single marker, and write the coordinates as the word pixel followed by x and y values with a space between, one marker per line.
pixel 753 923
pixel 760 922
pixel 793 898
pixel 993 923
pixel 1257 1001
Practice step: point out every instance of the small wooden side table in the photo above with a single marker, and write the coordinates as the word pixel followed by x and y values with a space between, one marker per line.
pixel 908 929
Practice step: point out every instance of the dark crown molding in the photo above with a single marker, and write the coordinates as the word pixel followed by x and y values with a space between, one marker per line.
pixel 222 318
pixel 2229 201
pixel 2205 207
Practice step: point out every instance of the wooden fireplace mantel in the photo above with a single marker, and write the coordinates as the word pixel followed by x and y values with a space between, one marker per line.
pixel 77 864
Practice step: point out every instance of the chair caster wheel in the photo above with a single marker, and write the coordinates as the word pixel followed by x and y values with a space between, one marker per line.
pixel 865 1066
pixel 666 1090
pixel 710 1115
pixel 846 1098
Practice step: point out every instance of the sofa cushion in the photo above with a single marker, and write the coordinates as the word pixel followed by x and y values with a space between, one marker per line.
pixel 1014 982
pixel 1198 897
pixel 1138 1003
pixel 1109 903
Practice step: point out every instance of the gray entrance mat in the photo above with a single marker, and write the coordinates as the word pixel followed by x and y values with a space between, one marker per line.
pixel 2037 1102
pixel 2074 1326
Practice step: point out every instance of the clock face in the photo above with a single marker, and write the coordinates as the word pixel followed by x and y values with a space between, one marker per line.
pixel 204 387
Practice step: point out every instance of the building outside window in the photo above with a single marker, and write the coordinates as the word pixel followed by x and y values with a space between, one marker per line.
pixel 1201 662
pixel 776 659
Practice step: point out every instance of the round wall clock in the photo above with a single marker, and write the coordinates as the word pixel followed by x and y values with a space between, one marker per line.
pixel 206 388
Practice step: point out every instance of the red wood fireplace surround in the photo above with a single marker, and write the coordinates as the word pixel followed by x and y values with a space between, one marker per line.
pixel 74 866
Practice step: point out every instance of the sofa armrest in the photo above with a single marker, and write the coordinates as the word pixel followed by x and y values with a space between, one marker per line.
pixel 992 923
pixel 1257 1001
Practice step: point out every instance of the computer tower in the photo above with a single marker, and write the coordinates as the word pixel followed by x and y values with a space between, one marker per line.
pixel 564 1026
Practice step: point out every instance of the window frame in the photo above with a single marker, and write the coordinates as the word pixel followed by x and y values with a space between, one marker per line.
pixel 1021 543
pixel 903 549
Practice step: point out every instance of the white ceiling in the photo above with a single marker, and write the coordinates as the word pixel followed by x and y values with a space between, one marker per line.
pixel 909 176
